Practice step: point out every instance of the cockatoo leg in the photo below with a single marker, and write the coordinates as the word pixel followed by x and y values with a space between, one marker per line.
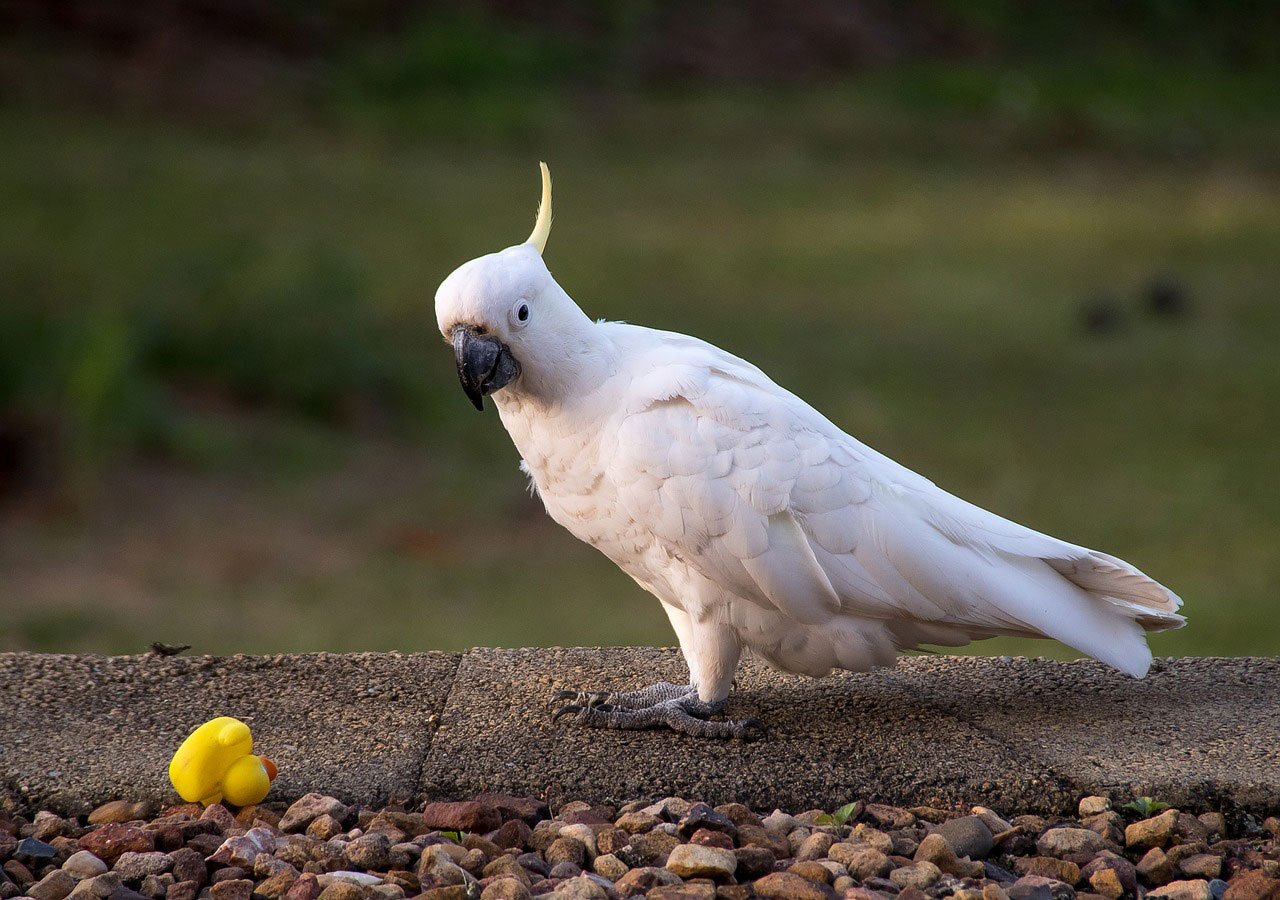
pixel 662 705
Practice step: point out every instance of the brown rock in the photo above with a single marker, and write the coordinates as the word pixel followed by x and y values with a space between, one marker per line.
pixel 1154 868
pixel 889 816
pixel 863 862
pixel 696 891
pixel 227 873
pixel 754 861
pixel 1201 865
pixel 1190 828
pixel 109 841
pixel 1107 883
pixel 1184 890
pixel 992 891
pixel 786 886
pixel 156 886
pixel 1107 825
pixel 20 873
pixel 189 865
pixel 1153 832
pixel 448 892
pixel 861 893
pixel 461 815
pixel 513 835
pixel 506 888
pixel 1064 841
pixel 733 891
pixel 506 867
pixel 920 875
pixel 234 889
pixel 815 846
pixel 1253 885
pixel 1215 824
pixel 324 828
pixel 566 850
pixel 642 880
pixel 277 885
pixel 309 807
pixel 637 822
pixel 872 837
pixel 611 839
pixel 935 849
pixel 759 836
pixel 117 811
pixel 651 846
pixel 369 852
pixel 697 861
pixel 1048 867
pixel 54 886
pixel 1123 871
pixel 812 870
pixel 1091 806
pixel 609 866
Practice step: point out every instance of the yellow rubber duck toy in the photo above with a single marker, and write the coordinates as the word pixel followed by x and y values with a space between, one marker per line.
pixel 216 763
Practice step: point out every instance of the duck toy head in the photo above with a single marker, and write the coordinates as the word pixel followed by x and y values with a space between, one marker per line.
pixel 216 763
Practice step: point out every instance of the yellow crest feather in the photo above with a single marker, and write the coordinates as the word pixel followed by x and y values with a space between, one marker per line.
pixel 542 227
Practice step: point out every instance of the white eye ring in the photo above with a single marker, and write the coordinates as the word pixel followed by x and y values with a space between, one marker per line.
pixel 520 314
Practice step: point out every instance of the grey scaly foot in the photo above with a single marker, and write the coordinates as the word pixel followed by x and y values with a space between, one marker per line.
pixel 662 705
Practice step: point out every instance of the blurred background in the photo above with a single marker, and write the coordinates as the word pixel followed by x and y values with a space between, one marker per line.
pixel 1029 250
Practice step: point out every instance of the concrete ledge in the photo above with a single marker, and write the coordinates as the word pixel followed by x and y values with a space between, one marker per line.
pixel 1015 734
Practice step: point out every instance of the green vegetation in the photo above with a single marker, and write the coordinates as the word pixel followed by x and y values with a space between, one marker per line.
pixel 1144 807
pixel 218 344
pixel 838 817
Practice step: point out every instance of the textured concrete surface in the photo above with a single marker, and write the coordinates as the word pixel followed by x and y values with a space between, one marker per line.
pixel 1014 734
pixel 78 730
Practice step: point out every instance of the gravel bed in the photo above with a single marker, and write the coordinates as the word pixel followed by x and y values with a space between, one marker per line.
pixel 497 847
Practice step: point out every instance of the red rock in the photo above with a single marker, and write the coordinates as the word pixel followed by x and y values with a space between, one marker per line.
pixel 530 809
pixel 708 838
pixel 462 815
pixel 109 841
pixel 182 890
pixel 307 887
pixel 1253 885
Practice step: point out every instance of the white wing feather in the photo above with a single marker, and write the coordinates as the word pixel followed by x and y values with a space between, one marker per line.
pixel 766 498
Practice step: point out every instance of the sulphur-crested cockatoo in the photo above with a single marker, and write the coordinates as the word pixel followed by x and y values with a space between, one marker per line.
pixel 758 524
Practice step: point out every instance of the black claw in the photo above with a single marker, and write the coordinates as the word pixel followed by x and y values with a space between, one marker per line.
pixel 572 709
pixel 561 696
pixel 751 730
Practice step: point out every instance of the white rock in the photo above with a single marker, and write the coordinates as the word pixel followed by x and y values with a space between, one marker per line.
pixel 697 861
pixel 364 879
pixel 83 864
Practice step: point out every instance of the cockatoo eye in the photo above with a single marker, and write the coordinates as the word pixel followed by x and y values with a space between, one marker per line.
pixel 520 314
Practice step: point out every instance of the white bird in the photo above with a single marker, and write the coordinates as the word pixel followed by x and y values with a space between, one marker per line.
pixel 758 524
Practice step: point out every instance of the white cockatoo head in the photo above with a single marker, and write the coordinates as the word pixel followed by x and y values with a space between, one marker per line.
pixel 504 314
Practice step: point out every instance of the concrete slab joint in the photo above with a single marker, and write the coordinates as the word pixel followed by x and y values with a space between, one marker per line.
pixel 372 728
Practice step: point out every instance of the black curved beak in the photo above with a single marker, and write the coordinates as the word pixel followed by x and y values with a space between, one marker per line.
pixel 485 364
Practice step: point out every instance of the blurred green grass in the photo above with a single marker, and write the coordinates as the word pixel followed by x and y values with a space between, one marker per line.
pixel 227 337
